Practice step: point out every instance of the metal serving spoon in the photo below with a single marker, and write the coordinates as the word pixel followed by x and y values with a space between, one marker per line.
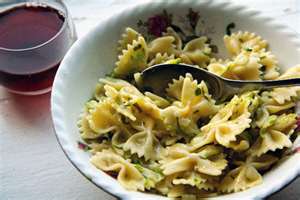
pixel 156 78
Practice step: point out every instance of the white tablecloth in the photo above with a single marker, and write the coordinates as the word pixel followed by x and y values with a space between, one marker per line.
pixel 32 165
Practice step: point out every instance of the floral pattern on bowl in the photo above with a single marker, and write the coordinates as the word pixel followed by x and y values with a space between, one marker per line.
pixel 189 26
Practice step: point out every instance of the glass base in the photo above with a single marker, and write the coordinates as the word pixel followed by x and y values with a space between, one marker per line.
pixel 31 93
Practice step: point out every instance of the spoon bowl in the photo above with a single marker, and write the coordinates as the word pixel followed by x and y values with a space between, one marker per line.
pixel 156 78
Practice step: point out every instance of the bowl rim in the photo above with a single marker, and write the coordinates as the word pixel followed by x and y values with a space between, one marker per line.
pixel 275 23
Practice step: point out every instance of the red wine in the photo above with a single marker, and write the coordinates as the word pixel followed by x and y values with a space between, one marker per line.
pixel 32 44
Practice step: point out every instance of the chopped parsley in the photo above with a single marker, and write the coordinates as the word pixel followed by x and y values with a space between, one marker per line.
pixel 157 170
pixel 248 49
pixel 174 61
pixel 137 47
pixel 207 54
pixel 116 146
pixel 198 92
pixel 262 57
pixel 138 56
pixel 139 167
pixel 178 126
pixel 270 122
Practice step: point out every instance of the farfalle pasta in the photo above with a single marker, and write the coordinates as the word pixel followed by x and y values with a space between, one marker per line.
pixel 184 144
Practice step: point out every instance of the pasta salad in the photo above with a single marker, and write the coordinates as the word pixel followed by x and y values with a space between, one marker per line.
pixel 184 145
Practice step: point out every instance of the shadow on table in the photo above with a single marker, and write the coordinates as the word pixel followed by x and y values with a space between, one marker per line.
pixel 30 107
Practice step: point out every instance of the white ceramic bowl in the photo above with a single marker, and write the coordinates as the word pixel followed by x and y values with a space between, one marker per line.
pixel 94 55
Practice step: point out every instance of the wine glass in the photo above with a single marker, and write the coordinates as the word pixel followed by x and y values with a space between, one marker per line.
pixel 34 37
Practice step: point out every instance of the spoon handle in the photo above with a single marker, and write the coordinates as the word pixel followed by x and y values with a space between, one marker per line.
pixel 281 83
pixel 233 87
pixel 258 85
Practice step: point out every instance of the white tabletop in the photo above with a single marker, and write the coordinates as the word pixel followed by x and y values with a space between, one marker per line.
pixel 32 165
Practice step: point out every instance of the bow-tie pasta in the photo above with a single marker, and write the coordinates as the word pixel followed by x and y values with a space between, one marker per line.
pixel 184 144
pixel 246 175
pixel 133 58
pixel 237 42
pixel 128 175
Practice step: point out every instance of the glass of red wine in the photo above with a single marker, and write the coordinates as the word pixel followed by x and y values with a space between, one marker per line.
pixel 34 37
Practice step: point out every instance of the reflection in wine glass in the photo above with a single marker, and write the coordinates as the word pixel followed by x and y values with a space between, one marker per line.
pixel 34 37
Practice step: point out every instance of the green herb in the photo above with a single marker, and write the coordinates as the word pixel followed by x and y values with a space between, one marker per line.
pixel 262 132
pixel 90 104
pixel 149 183
pixel 198 91
pixel 139 167
pixel 139 46
pixel 263 68
pixel 270 122
pixel 178 126
pixel 170 128
pixel 262 57
pixel 118 100
pixel 138 56
pixel 207 54
pixel 151 177
pixel 248 49
pixel 174 61
pixel 116 146
pixel 157 170
pixel 229 27
pixel 197 181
